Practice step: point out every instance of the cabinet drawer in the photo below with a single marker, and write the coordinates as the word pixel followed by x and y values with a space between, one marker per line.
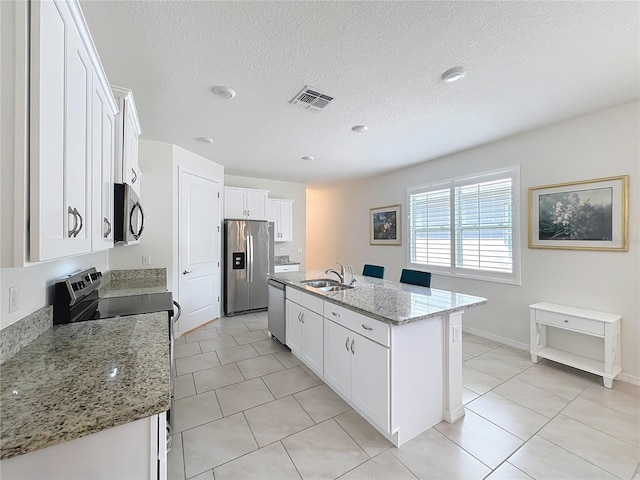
pixel 365 326
pixel 311 302
pixel 569 322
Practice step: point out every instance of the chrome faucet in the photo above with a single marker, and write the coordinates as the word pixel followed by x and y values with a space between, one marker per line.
pixel 340 275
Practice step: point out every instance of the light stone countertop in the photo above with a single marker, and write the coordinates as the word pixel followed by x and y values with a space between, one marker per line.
pixel 385 300
pixel 78 379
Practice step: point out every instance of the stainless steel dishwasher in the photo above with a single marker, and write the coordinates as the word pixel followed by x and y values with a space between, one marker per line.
pixel 276 311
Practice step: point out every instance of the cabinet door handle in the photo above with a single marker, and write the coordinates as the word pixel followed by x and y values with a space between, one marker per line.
pixel 72 211
pixel 302 317
pixel 135 176
pixel 248 213
pixel 566 321
pixel 352 350
pixel 366 327
pixel 108 232
pixel 76 212
pixel 186 272
pixel 346 344
pixel 335 314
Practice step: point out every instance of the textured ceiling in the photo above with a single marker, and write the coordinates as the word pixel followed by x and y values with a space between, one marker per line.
pixel 529 64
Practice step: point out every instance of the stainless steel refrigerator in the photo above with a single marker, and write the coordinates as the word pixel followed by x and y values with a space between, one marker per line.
pixel 248 258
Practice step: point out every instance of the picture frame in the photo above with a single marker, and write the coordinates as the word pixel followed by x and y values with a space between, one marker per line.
pixel 385 225
pixel 581 215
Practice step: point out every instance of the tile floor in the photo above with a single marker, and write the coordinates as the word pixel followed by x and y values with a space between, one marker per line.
pixel 248 409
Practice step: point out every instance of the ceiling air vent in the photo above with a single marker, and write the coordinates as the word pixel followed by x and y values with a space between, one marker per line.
pixel 312 99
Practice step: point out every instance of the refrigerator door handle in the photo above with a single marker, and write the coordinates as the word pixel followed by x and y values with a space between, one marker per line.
pixel 250 258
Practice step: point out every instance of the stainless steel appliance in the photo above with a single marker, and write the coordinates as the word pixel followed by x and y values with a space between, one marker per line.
pixel 276 312
pixel 76 300
pixel 128 216
pixel 247 248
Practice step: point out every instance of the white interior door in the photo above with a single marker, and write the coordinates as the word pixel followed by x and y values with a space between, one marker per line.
pixel 199 247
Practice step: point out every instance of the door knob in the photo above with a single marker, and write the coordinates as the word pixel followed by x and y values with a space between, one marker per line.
pixel 184 272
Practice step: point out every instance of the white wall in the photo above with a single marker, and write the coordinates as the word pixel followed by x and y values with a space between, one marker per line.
pixel 294 191
pixel 602 144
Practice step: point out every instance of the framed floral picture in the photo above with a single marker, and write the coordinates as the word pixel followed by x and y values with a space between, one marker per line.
pixel 584 215
pixel 384 225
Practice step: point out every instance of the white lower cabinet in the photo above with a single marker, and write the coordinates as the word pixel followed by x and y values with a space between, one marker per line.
pixel 305 335
pixel 134 450
pixel 358 368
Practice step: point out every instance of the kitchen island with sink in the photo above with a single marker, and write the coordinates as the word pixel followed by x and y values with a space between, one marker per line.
pixel 392 351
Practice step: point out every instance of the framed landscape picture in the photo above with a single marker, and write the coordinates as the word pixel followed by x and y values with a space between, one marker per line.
pixel 385 227
pixel 585 215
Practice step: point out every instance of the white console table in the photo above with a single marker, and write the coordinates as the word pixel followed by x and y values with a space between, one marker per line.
pixel 586 322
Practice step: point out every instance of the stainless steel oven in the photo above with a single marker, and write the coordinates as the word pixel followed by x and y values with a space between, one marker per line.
pixel 128 216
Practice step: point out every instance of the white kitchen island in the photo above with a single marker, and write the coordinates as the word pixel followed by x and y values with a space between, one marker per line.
pixel 392 351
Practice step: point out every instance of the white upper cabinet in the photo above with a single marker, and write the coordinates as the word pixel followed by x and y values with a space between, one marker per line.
pixel 245 203
pixel 64 72
pixel 127 169
pixel 280 212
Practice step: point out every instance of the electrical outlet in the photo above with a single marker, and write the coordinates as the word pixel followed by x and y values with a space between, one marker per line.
pixel 456 333
pixel 300 250
pixel 14 299
pixel 146 259
pixel 281 249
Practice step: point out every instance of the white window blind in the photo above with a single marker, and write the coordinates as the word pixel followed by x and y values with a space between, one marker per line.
pixel 466 226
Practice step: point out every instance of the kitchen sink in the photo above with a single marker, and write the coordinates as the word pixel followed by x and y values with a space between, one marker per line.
pixel 326 285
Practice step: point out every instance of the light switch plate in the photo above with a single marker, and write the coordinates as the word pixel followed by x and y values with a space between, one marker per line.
pixel 14 299
pixel 146 259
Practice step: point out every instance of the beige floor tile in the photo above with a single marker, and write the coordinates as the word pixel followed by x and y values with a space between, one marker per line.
pixel 187 349
pixel 425 456
pixel 474 349
pixel 287 359
pixel 321 403
pixel 512 417
pixel 367 437
pixel 468 395
pixel 612 422
pixel 471 338
pixel 608 453
pixel 311 373
pixel 184 386
pixel 323 451
pixel 506 471
pixel 561 381
pixel 203 334
pixel 235 354
pixel 180 340
pixel 242 396
pixel 466 356
pixel 217 377
pixel 530 396
pixel 278 419
pixel 270 345
pixel 543 460
pixel 268 463
pixel 487 442
pixel 220 322
pixel 258 366
pixel 512 356
pixel 249 337
pixel 196 410
pixel 232 329
pixel 215 443
pixel 493 366
pixel 477 381
pixel 208 475
pixel 175 459
pixel 288 381
pixel 257 324
pixel 213 344
pixel 623 397
pixel 384 466
pixel 637 476
pixel 196 362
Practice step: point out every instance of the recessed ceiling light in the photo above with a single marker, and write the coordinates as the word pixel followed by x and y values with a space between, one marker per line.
pixel 360 128
pixel 205 139
pixel 307 158
pixel 224 92
pixel 453 74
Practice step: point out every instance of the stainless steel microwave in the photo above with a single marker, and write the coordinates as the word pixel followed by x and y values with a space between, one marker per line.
pixel 128 216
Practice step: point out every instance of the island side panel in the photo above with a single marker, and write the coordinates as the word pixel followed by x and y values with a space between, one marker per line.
pixel 417 382
pixel 453 407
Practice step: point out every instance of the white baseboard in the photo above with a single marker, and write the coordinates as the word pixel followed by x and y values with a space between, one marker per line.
pixel 496 338
pixel 624 377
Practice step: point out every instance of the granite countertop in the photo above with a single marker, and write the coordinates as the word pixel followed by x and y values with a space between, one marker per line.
pixel 388 301
pixel 284 260
pixel 78 379
pixel 121 283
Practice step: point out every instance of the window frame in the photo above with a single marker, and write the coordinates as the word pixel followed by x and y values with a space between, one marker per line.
pixel 514 277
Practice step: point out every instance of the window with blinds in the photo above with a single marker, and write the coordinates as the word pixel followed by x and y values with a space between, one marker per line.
pixel 467 226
